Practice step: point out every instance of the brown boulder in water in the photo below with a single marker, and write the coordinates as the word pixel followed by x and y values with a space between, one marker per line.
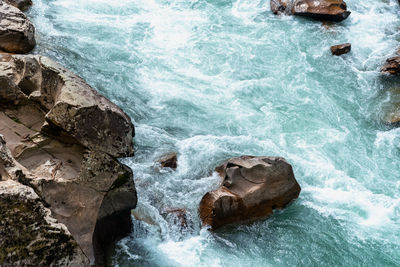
pixel 326 10
pixel 392 66
pixel 252 187
pixel 341 49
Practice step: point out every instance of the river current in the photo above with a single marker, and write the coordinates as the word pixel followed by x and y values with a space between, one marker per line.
pixel 213 79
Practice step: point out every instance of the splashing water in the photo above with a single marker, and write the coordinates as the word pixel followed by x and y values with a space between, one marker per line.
pixel 216 79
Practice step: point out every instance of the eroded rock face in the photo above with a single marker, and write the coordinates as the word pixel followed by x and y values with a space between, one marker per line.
pixel 20 4
pixel 30 236
pixel 70 104
pixel 17 34
pixel 252 187
pixel 392 66
pixel 63 142
pixel 341 49
pixel 325 10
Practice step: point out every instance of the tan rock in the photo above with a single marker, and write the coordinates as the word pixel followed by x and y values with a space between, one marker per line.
pixel 68 158
pixel 341 49
pixel 326 10
pixel 252 187
pixel 17 34
pixel 168 161
pixel 70 104
pixel 392 66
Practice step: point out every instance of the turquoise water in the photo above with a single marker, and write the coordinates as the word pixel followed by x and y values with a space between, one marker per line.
pixel 216 79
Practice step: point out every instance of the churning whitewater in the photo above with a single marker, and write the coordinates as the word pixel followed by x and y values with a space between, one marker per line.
pixel 214 79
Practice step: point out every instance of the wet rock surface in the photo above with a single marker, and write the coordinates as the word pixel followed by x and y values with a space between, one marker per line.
pixel 64 137
pixel 168 161
pixel 17 34
pixel 392 66
pixel 252 187
pixel 341 49
pixel 324 10
pixel 328 10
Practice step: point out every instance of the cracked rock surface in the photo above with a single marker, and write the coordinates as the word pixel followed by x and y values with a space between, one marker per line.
pixel 62 140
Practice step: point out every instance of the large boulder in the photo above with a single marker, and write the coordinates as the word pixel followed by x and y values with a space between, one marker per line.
pixel 70 104
pixel 251 188
pixel 65 139
pixel 30 236
pixel 327 10
pixel 17 34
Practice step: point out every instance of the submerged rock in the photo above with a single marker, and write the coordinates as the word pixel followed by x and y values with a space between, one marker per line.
pixel 325 10
pixel 17 34
pixel 252 187
pixel 279 7
pixel 179 219
pixel 392 66
pixel 168 161
pixel 391 109
pixel 30 236
pixel 21 4
pixel 65 138
pixel 341 49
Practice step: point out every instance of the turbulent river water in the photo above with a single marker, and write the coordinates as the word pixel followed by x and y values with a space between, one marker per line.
pixel 213 79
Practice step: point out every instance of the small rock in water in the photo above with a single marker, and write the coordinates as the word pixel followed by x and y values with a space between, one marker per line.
pixel 341 49
pixel 168 161
pixel 251 189
pixel 179 218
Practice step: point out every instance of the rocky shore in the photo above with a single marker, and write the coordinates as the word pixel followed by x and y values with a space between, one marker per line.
pixel 64 195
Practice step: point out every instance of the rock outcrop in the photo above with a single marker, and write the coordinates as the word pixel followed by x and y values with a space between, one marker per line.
pixel 20 4
pixel 66 138
pixel 341 49
pixel 30 236
pixel 251 188
pixel 325 10
pixel 17 34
